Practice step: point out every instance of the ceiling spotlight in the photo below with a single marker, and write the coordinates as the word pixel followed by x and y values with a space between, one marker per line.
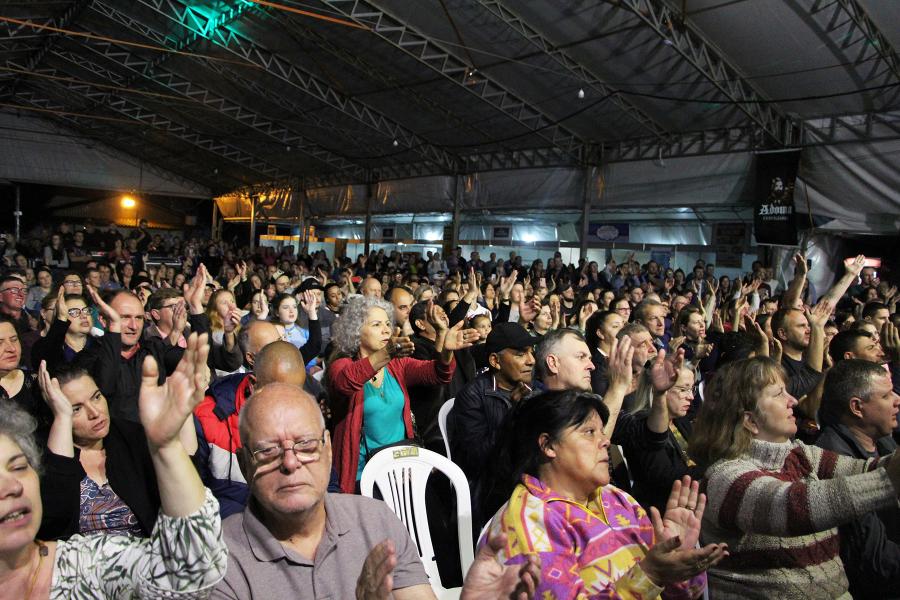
pixel 396 143
pixel 580 94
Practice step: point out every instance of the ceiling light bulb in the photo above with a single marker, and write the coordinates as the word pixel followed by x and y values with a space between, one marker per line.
pixel 580 94
pixel 396 143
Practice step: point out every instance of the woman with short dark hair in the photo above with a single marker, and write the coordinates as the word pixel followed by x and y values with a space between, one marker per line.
pixel 593 539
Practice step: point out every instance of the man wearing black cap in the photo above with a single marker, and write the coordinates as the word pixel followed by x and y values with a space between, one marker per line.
pixel 480 408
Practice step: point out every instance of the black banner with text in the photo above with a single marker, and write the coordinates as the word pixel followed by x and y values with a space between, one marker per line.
pixel 774 220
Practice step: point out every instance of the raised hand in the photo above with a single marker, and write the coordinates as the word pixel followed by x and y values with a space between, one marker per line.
pixel 436 316
pixel 488 579
pixel 53 395
pixel 164 408
pixel 676 342
pixel 113 320
pixel 800 268
pixel 458 338
pixel 310 304
pixel 193 292
pixel 890 340
pixel 375 582
pixel 530 309
pixel 620 359
pixel 664 373
pixel 62 311
pixel 819 314
pixel 399 345
pixel 231 320
pixel 856 265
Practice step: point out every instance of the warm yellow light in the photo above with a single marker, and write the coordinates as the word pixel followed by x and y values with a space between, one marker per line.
pixel 128 202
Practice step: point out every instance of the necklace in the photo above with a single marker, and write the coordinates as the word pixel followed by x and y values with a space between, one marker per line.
pixel 42 552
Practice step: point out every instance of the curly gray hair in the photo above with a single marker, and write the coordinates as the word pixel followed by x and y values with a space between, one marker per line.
pixel 19 427
pixel 345 331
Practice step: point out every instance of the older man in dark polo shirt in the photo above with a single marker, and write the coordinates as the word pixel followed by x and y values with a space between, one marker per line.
pixel 295 540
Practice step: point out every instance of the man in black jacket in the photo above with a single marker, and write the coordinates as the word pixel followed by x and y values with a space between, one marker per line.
pixel 859 412
pixel 115 363
pixel 426 400
pixel 480 408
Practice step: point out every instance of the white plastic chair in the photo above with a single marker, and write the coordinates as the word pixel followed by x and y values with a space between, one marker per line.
pixel 401 473
pixel 443 413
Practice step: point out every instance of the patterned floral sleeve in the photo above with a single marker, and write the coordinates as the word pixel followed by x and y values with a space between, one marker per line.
pixel 184 558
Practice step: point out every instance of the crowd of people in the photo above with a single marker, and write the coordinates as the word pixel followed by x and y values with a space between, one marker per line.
pixel 627 430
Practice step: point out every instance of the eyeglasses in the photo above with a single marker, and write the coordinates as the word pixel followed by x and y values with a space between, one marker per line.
pixel 306 451
pixel 71 283
pixel 173 305
pixel 76 312
pixel 18 291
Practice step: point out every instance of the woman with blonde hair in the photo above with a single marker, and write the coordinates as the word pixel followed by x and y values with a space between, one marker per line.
pixel 777 502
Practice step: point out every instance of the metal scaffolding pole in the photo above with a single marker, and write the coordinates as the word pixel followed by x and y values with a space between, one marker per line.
pixel 457 205
pixel 18 212
pixel 589 173
pixel 252 223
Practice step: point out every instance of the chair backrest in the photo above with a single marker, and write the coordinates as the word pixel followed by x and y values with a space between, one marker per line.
pixel 443 413
pixel 401 473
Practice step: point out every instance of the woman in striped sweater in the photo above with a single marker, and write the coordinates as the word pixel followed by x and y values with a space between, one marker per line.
pixel 776 502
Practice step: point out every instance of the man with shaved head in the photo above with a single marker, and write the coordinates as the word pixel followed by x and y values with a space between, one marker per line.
pixel 402 300
pixel 296 540
pixel 216 418
pixel 280 362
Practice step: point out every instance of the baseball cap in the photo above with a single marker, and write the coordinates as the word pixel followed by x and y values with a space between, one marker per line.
pixel 310 283
pixel 508 335
pixel 139 280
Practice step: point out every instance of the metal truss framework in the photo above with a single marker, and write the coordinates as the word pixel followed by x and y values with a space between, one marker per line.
pixel 693 47
pixel 283 69
pixel 139 113
pixel 140 67
pixel 872 38
pixel 297 112
pixel 374 72
pixel 431 54
pixel 584 75
pixel 88 128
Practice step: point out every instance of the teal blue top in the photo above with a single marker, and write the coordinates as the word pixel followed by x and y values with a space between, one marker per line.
pixel 382 417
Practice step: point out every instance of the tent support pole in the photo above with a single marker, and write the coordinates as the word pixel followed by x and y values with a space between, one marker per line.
pixel 370 191
pixel 18 213
pixel 252 222
pixel 457 205
pixel 586 210
pixel 215 221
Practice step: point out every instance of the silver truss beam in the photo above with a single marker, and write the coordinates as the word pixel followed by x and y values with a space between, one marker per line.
pixel 125 143
pixel 582 74
pixel 872 35
pixel 139 113
pixel 152 72
pixel 281 68
pixel 703 56
pixel 428 52
pixel 373 71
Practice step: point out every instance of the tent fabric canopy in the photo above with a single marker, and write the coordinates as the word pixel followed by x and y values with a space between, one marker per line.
pixel 665 101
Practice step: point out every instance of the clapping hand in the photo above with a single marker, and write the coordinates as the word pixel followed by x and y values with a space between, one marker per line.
pixel 488 579
pixel 164 408
pixel 62 311
pixel 375 582
pixel 231 320
pixel 674 557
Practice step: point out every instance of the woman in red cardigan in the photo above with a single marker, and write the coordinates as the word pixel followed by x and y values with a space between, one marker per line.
pixel 369 377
